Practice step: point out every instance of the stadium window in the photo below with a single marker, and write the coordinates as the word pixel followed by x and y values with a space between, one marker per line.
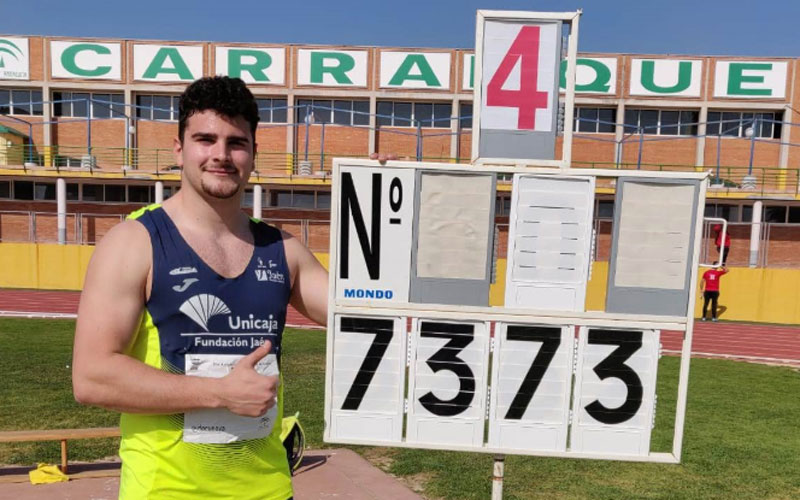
pixel 247 199
pixel 648 120
pixel 21 102
pixel 343 112
pixel 23 190
pixel 176 107
pixel 5 190
pixel 101 110
pixel 360 112
pixel 402 114
pixel 323 200
pixel 661 121
pixel 140 194
pixel 114 192
pixel 102 105
pixel 72 192
pixel 162 107
pixel 502 205
pixel 736 123
pixel 465 115
pixel 80 104
pixel 774 214
pixel 442 115
pixel 794 212
pixel 264 110
pixel 302 199
pixel 407 114
pixel 92 192
pixel 384 111
pixel 586 120
pixel 688 122
pixel 44 191
pixel 423 112
pixel 108 106
pixel 322 111
pixel 279 111
pixel 144 106
pixel 728 212
pixel 595 120
pixel 158 107
pixel 302 109
pixel 747 213
pixel 605 209
pixel 669 122
pixel 280 199
pixel 339 112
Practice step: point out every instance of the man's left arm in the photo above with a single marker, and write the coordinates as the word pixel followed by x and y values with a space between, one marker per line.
pixel 310 282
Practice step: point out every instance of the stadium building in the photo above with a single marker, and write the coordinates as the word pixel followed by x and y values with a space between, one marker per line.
pixel 87 125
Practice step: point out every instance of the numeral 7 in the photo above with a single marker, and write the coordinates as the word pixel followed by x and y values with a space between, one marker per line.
pixel 550 339
pixel 383 329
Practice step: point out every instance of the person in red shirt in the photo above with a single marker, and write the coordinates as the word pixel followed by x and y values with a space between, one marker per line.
pixel 710 288
pixel 722 249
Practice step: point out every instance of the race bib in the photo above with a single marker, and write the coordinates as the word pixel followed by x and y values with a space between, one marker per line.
pixel 214 426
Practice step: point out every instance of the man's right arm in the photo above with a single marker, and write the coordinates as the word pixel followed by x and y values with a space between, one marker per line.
pixel 110 310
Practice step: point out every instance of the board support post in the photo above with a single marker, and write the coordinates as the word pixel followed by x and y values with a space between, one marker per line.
pixel 497 477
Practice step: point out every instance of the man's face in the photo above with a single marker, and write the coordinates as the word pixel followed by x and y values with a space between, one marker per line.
pixel 216 154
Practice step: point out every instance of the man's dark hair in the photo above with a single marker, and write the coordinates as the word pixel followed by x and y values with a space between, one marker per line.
pixel 227 96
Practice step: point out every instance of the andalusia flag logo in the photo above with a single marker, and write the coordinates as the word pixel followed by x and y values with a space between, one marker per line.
pixel 9 49
pixel 14 58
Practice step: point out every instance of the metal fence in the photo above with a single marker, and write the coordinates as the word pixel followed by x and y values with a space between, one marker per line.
pixel 779 243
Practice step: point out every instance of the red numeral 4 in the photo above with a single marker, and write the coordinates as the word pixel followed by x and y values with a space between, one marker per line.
pixel 528 98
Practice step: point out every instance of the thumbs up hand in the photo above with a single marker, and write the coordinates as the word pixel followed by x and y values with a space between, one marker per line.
pixel 246 392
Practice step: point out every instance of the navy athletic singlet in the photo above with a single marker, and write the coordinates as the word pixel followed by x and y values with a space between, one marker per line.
pixel 199 323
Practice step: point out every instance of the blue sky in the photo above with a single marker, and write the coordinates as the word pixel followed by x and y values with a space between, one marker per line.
pixel 708 27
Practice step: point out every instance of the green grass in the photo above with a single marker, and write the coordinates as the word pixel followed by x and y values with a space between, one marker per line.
pixel 742 438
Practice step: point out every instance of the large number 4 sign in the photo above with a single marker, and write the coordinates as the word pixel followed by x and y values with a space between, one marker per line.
pixel 527 98
pixel 519 69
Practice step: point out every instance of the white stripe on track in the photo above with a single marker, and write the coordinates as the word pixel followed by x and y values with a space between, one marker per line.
pixel 759 359
pixel 37 315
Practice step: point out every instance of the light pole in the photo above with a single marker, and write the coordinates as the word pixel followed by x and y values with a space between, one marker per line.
pixel 749 180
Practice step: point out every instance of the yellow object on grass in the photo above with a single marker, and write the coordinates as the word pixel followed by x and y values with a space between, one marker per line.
pixel 46 473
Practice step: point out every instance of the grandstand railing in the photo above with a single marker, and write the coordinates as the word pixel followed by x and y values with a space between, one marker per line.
pixel 279 165
pixel 779 243
pixel 18 226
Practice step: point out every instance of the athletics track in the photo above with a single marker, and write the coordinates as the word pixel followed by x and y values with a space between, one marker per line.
pixel 745 341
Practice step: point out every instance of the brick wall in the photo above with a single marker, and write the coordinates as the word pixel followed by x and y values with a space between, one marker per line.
pixel 339 140
pixel 402 141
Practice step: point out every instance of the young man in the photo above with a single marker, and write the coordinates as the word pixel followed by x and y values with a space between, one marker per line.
pixel 710 288
pixel 181 317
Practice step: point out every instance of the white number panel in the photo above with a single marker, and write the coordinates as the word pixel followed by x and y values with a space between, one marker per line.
pixel 447 382
pixel 521 99
pixel 375 233
pixel 531 378
pixel 538 375
pixel 369 362
pixel 550 235
pixel 615 385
